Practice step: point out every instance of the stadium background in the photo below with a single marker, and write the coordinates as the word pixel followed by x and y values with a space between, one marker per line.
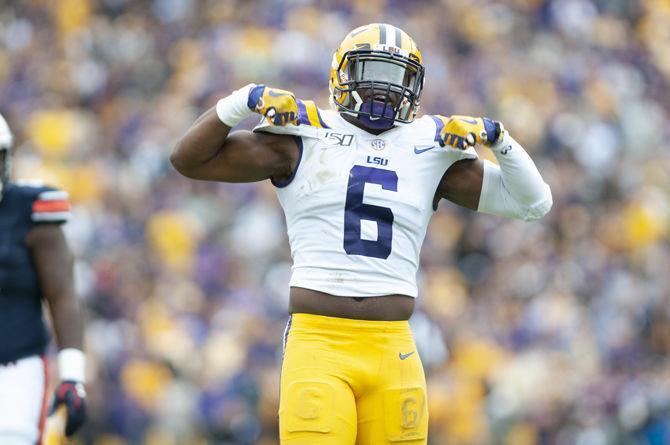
pixel 551 332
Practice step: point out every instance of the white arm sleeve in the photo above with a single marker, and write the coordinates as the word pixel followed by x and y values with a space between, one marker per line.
pixel 515 189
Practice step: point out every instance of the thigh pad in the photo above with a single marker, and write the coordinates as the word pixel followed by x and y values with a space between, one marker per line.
pixel 405 414
pixel 311 407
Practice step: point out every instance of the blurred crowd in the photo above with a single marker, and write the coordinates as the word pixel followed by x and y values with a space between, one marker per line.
pixel 551 332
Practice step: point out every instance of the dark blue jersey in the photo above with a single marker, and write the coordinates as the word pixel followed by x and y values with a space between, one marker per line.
pixel 22 208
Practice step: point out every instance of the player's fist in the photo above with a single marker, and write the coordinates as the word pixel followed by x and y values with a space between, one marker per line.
pixel 465 131
pixel 71 395
pixel 278 106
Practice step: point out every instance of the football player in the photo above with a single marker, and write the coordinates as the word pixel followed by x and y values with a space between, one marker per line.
pixel 358 185
pixel 35 266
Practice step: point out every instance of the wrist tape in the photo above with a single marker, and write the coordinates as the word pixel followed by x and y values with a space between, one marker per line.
pixel 233 109
pixel 72 365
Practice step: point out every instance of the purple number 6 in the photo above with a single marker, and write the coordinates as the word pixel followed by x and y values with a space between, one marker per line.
pixel 355 210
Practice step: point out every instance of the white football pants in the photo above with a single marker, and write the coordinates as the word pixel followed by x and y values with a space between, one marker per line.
pixel 23 401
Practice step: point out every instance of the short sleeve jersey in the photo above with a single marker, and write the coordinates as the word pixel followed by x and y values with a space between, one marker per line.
pixel 358 204
pixel 22 208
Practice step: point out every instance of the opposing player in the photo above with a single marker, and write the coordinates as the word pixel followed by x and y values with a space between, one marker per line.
pixel 358 186
pixel 35 266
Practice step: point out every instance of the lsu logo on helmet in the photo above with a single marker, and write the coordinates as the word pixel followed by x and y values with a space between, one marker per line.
pixel 377 75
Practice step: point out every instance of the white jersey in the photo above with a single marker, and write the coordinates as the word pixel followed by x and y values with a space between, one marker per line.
pixel 358 205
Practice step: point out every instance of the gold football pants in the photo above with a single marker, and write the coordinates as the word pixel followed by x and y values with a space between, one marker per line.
pixel 347 382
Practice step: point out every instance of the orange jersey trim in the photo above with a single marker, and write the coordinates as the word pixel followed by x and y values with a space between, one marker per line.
pixel 51 206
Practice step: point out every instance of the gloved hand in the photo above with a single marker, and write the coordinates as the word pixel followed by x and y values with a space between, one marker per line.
pixel 465 131
pixel 73 396
pixel 278 106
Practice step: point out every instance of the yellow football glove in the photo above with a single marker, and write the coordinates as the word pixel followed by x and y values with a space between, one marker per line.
pixel 465 131
pixel 278 106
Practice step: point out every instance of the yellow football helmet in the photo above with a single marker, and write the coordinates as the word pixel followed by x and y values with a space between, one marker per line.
pixel 377 76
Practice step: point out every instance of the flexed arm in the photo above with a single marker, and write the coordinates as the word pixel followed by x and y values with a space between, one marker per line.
pixel 514 189
pixel 208 150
